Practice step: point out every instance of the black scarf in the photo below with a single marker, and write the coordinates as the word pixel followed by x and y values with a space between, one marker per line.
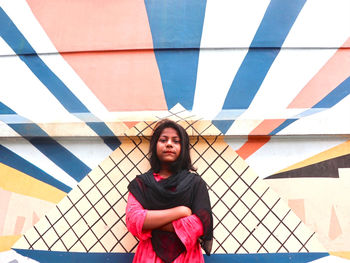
pixel 184 188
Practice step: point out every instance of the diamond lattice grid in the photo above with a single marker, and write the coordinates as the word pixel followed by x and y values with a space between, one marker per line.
pixel 248 216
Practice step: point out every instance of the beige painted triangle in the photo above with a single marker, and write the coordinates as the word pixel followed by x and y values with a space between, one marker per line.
pixel 334 227
pixel 249 217
pixel 298 208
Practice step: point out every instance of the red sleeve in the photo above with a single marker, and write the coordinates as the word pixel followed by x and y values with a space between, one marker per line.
pixel 135 217
pixel 188 229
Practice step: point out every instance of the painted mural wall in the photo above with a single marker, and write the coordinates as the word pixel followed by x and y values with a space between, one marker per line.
pixel 262 87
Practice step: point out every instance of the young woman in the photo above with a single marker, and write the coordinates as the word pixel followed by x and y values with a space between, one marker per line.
pixel 168 207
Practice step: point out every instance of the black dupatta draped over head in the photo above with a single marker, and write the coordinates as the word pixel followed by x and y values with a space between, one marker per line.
pixel 184 188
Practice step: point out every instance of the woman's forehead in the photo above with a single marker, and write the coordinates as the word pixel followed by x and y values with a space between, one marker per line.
pixel 169 132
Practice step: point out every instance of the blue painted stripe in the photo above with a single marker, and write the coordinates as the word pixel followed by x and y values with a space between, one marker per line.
pixel 249 77
pixel 265 258
pixel 272 32
pixel 176 28
pixel 11 159
pixel 75 257
pixel 178 70
pixel 14 38
pixel 222 125
pixel 105 133
pixel 6 110
pixel 336 95
pixel 49 147
pixel 265 47
pixel 276 23
pixel 309 112
pixel 58 257
pixel 282 126
pixel 176 24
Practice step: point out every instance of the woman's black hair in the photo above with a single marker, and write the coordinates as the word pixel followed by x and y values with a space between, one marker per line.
pixel 183 162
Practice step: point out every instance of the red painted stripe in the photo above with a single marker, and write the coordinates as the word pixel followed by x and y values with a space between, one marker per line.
pixel 253 144
pixel 94 24
pixel 267 126
pixel 334 72
pixel 121 80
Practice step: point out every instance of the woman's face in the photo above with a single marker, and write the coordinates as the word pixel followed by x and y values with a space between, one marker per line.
pixel 168 146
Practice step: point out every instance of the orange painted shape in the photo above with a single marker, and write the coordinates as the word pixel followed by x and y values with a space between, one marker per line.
pixel 255 142
pixel 334 228
pixel 334 72
pixel 6 242
pixel 35 218
pixel 122 81
pixel 267 126
pixel 19 225
pixel 130 124
pixel 252 145
pixel 94 25
pixel 298 207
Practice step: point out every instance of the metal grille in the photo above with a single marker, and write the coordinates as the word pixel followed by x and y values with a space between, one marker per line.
pixel 248 216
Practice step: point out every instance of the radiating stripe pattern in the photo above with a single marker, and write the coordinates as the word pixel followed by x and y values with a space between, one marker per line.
pixel 257 69
pixel 32 132
pixel 20 45
pixel 35 155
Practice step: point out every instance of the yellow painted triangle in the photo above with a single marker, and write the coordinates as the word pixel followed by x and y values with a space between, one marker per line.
pixel 337 151
pixel 342 254
pixel 15 181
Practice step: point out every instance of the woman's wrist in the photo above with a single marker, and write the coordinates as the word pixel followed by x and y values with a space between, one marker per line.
pixel 168 227
pixel 183 211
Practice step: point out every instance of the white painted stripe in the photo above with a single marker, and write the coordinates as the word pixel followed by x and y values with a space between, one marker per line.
pixel 235 142
pixel 216 71
pixel 31 99
pixel 13 256
pixel 288 75
pixel 28 152
pixel 91 151
pixel 37 37
pixel 244 125
pixel 5 50
pixel 6 131
pixel 27 96
pixel 22 91
pixel 321 23
pixel 22 16
pixel 280 153
pixel 330 259
pixel 335 120
pixel 229 24
pixel 76 85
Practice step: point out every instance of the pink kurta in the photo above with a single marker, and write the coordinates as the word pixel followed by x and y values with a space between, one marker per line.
pixel 188 229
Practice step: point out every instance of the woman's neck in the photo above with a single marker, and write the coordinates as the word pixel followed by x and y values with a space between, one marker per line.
pixel 165 172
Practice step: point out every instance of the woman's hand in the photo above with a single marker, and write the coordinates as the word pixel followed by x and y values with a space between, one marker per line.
pixel 184 211
pixel 158 218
